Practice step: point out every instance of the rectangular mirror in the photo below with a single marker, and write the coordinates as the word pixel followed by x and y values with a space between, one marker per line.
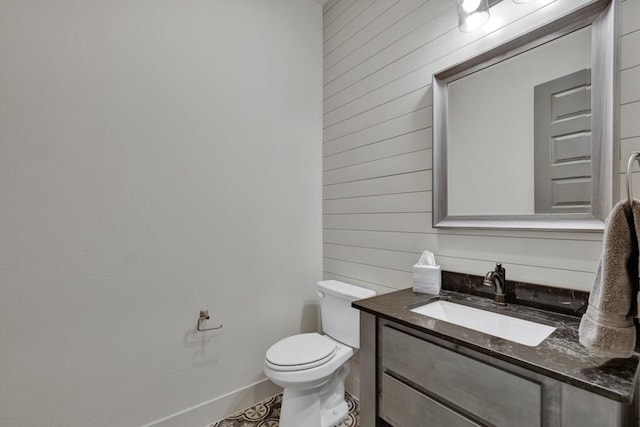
pixel 525 134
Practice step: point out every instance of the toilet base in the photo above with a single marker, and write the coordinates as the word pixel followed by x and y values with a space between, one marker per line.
pixel 333 405
pixel 322 406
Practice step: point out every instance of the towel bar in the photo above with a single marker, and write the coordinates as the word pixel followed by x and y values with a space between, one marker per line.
pixel 634 156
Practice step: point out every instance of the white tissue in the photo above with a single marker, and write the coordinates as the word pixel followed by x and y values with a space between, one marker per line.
pixel 427 276
pixel 427 258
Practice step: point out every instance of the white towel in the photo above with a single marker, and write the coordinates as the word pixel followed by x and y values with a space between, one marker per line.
pixel 607 326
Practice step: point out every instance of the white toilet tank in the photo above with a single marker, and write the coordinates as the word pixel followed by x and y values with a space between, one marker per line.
pixel 339 320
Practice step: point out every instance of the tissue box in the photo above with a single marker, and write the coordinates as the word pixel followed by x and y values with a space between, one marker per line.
pixel 427 279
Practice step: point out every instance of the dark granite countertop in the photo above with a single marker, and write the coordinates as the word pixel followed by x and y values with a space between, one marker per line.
pixel 560 356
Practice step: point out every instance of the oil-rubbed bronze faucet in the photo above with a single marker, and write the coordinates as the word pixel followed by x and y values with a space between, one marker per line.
pixel 498 280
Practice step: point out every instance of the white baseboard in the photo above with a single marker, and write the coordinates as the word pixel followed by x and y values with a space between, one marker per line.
pixel 216 409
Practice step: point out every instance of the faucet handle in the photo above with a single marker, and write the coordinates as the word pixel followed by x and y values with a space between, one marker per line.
pixel 488 278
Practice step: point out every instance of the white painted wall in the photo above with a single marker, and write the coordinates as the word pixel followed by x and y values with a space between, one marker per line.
pixel 158 157
pixel 379 57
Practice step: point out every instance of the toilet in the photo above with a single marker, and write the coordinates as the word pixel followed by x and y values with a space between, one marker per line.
pixel 312 367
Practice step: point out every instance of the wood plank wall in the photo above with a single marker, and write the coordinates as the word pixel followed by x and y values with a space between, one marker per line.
pixel 379 56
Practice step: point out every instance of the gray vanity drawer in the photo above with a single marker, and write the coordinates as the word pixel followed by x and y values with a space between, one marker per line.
pixel 403 406
pixel 491 394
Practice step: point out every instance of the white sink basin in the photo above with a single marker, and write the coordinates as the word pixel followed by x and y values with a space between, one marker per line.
pixel 507 327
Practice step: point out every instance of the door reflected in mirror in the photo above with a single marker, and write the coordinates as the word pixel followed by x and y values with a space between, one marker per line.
pixel 496 125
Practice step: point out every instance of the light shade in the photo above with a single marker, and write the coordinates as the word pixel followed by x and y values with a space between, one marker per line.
pixel 472 14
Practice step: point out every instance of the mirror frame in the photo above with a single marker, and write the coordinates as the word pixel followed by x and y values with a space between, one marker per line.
pixel 603 16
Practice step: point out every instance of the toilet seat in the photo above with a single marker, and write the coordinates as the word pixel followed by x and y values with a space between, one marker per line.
pixel 299 352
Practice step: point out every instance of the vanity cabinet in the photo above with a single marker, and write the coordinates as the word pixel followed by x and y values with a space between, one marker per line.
pixel 410 378
pixel 464 385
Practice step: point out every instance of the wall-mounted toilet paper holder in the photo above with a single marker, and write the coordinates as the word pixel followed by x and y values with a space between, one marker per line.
pixel 204 315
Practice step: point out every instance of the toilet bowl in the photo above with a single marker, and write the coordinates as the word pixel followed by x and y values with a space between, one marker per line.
pixel 313 389
pixel 312 367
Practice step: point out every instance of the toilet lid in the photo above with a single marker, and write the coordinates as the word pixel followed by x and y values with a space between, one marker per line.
pixel 299 352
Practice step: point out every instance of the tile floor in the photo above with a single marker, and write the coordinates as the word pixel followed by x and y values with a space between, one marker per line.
pixel 266 413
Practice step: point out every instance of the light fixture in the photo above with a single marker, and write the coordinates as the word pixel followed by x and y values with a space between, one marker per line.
pixel 521 1
pixel 472 14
